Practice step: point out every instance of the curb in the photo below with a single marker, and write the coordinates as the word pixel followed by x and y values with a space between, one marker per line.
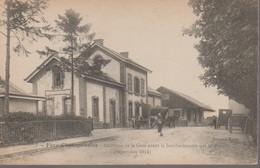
pixel 44 149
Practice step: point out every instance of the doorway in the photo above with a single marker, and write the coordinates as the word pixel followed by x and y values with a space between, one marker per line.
pixel 112 110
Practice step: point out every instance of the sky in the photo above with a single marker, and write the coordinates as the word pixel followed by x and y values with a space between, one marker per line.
pixel 150 30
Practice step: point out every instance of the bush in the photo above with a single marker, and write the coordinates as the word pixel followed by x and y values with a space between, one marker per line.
pixel 18 117
pixel 27 116
pixel 19 129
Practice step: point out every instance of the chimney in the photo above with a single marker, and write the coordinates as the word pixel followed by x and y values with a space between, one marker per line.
pixel 125 54
pixel 99 41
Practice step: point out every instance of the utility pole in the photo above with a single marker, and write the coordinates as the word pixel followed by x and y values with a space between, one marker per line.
pixel 72 78
pixel 7 63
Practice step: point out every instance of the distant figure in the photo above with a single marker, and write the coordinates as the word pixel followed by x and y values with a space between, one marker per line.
pixel 218 124
pixel 171 121
pixel 160 124
pixel 92 124
pixel 153 121
pixel 214 122
pixel 133 121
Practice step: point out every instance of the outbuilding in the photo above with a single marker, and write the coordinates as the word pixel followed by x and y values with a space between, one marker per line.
pixel 19 100
pixel 184 106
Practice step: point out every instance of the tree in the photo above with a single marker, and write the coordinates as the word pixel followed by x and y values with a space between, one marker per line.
pixel 21 19
pixel 228 47
pixel 74 36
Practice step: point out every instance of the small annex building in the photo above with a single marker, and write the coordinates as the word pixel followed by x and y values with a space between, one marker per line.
pixel 19 100
pixel 154 97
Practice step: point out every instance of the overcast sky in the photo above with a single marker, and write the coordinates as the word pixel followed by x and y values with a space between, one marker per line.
pixel 150 30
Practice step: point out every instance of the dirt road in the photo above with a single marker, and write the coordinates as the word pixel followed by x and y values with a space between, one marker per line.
pixel 181 145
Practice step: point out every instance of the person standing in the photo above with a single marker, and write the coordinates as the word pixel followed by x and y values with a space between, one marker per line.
pixel 160 123
pixel 214 122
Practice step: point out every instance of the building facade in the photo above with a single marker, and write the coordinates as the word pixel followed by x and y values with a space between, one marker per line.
pixel 111 97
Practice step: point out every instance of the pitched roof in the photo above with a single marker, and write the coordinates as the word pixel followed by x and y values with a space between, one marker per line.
pixel 39 68
pixel 16 92
pixel 154 92
pixel 102 78
pixel 189 99
pixel 121 57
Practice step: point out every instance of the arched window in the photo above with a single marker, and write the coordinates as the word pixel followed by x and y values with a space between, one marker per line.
pixel 142 86
pixel 95 109
pixel 137 85
pixel 57 77
pixel 130 83
pixel 130 109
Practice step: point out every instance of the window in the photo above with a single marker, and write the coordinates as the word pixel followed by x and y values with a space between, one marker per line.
pixel 95 110
pixel 130 84
pixel 137 85
pixel 142 86
pixel 57 77
pixel 130 110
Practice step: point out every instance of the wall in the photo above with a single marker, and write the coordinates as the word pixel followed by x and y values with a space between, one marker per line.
pixel 157 102
pixel 104 94
pixel 151 100
pixel 44 83
pixel 112 94
pixel 16 105
pixel 1 105
pixel 137 74
pixel 131 96
pixel 154 101
pixel 94 90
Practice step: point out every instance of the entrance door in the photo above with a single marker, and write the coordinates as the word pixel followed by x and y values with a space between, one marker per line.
pixel 67 105
pixel 112 110
pixel 137 114
pixel 49 106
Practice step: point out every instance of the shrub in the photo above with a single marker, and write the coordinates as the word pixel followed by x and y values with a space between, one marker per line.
pixel 27 116
pixel 19 130
pixel 18 117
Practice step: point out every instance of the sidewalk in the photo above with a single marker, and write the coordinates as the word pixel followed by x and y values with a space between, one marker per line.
pixel 10 151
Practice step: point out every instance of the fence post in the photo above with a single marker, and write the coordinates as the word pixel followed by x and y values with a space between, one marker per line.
pixel 1 133
pixel 54 130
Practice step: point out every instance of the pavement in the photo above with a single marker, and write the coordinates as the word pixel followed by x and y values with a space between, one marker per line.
pixel 95 136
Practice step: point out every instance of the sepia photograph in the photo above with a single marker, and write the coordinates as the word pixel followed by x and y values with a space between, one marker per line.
pixel 129 82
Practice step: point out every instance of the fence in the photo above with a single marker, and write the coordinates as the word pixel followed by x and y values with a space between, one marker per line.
pixel 12 133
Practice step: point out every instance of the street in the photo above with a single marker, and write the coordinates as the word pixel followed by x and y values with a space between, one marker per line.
pixel 180 145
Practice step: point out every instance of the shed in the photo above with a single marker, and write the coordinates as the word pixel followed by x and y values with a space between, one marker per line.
pixel 184 106
pixel 19 100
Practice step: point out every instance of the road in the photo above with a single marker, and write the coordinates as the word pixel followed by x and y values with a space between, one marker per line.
pixel 180 145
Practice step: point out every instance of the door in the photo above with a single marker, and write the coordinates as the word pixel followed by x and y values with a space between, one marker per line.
pixel 112 110
pixel 50 106
pixel 137 114
pixel 67 105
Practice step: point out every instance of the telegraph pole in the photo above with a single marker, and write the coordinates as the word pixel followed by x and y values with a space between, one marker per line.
pixel 7 63
pixel 72 78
